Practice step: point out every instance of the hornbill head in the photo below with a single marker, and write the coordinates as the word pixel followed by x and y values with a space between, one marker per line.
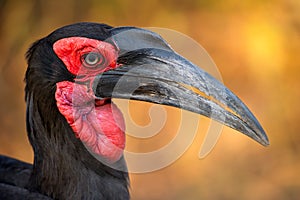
pixel 89 63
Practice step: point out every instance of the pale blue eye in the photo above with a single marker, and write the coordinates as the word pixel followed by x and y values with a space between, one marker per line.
pixel 93 59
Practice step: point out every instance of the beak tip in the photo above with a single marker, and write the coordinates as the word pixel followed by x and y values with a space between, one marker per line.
pixel 266 142
pixel 263 139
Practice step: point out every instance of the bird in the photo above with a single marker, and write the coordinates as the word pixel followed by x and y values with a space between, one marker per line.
pixel 76 130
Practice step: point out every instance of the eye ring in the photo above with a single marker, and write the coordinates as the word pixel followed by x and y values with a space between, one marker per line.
pixel 93 59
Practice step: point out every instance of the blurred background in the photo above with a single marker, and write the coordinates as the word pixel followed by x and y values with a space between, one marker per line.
pixel 254 43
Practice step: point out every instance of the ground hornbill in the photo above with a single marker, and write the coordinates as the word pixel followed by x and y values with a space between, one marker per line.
pixel 77 132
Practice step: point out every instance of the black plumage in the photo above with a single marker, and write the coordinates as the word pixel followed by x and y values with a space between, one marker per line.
pixel 63 167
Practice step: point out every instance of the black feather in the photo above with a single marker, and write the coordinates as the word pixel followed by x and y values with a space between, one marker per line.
pixel 63 168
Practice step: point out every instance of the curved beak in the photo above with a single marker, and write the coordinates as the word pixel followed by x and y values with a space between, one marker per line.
pixel 153 72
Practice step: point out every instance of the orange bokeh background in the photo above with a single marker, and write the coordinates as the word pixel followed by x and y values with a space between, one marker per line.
pixel 255 45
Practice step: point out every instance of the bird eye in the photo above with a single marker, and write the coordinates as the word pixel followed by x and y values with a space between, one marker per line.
pixel 93 59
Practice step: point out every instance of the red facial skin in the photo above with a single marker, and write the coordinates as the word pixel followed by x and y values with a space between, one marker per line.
pixel 99 125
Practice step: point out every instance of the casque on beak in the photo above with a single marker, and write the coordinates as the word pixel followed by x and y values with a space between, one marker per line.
pixel 151 71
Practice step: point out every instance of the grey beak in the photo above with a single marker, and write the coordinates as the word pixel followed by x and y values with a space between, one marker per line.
pixel 151 71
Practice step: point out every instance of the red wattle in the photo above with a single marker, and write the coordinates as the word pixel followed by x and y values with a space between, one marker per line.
pixel 99 127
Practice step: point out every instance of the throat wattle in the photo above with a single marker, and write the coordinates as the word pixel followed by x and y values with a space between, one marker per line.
pixel 99 124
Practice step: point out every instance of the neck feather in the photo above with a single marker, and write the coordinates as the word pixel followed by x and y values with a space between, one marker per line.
pixel 63 168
